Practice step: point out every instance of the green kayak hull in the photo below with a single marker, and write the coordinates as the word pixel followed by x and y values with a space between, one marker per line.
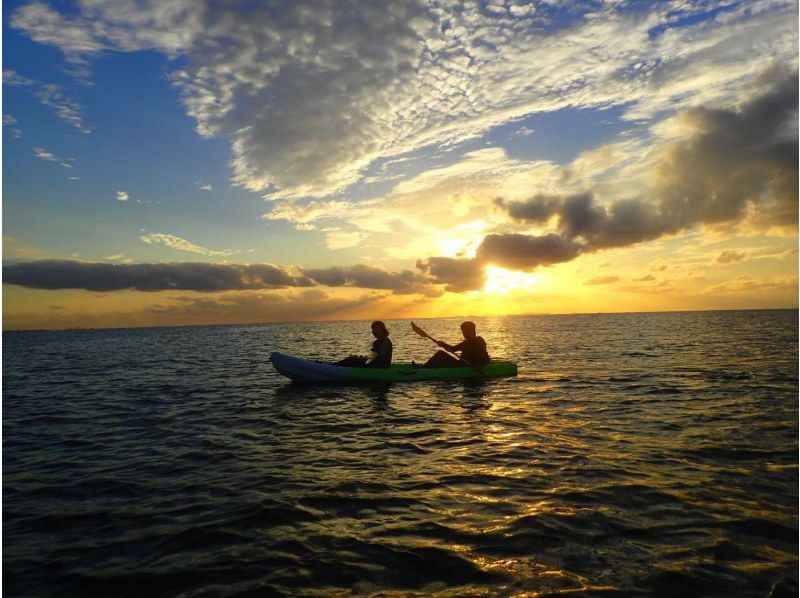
pixel 308 371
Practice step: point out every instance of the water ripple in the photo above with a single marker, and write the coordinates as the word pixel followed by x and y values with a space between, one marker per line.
pixel 635 454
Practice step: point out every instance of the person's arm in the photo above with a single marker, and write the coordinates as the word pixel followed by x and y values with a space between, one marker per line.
pixel 451 348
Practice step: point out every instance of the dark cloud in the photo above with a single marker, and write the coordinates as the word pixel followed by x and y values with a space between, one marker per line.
pixel 734 160
pixel 539 208
pixel 457 274
pixel 205 277
pixel 370 277
pixel 526 252
pixel 645 278
pixel 737 158
pixel 189 276
pixel 512 251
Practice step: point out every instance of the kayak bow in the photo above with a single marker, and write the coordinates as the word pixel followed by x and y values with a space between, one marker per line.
pixel 308 371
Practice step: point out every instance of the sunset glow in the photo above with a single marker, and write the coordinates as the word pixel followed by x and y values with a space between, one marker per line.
pixel 470 158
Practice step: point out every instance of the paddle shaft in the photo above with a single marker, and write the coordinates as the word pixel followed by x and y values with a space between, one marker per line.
pixel 421 332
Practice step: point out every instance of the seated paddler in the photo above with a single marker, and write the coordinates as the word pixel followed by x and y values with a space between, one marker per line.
pixel 381 354
pixel 472 349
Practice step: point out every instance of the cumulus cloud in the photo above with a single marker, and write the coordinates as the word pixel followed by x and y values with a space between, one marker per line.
pixel 733 163
pixel 526 252
pixel 312 93
pixel 457 274
pixel 123 196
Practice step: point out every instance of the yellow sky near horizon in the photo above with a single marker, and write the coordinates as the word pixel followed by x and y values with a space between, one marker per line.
pixel 622 280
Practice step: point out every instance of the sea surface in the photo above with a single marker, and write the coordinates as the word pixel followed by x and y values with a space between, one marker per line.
pixel 635 454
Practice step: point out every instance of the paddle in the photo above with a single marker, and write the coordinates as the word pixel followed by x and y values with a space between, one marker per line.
pixel 424 334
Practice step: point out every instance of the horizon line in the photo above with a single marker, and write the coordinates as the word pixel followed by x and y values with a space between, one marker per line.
pixel 409 318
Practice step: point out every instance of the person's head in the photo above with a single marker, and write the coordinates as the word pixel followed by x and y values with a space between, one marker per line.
pixel 379 329
pixel 468 329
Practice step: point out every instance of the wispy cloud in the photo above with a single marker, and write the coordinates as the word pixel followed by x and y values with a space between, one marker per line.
pixel 602 280
pixel 175 242
pixel 341 85
pixel 67 110
pixel 52 96
pixel 522 132
pixel 48 156
pixel 204 186
pixel 11 122
pixel 14 79
pixel 730 256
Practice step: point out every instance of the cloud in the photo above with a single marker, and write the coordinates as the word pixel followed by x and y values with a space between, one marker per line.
pixel 732 161
pixel 205 277
pixel 371 277
pixel 11 122
pixel 43 154
pixel 48 156
pixel 183 244
pixel 205 186
pixel 123 196
pixel 313 93
pixel 527 252
pixel 188 276
pixel 457 274
pixel 646 278
pixel 522 132
pixel 52 96
pixel 14 249
pixel 14 79
pixel 67 110
pixel 602 280
pixel 729 256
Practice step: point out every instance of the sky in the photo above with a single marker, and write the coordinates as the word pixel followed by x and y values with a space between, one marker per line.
pixel 175 162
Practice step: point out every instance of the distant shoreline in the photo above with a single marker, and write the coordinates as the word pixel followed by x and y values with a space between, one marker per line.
pixel 456 317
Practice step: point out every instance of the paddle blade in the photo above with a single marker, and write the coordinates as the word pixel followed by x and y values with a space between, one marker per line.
pixel 419 331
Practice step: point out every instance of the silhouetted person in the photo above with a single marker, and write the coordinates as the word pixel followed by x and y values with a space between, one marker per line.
pixel 472 348
pixel 381 355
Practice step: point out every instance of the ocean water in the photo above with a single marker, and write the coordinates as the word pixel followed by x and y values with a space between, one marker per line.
pixel 635 454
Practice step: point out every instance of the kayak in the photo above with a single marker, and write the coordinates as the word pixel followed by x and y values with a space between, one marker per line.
pixel 308 371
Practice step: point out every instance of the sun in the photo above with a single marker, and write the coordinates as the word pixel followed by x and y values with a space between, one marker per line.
pixel 500 281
